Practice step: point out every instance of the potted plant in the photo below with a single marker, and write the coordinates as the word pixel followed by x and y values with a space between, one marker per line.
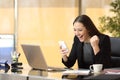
pixel 111 24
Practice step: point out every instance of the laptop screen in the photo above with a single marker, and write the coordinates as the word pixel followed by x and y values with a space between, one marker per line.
pixel 34 56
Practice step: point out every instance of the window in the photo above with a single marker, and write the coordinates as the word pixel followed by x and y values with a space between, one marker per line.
pixel 6 47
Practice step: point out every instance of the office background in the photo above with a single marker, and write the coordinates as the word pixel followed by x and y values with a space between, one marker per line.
pixel 45 22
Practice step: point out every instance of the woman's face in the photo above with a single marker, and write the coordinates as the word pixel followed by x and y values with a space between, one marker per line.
pixel 81 32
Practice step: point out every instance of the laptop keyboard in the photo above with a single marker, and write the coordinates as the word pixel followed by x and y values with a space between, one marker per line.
pixel 56 69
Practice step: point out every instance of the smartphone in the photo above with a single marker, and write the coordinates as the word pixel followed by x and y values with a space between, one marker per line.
pixel 63 45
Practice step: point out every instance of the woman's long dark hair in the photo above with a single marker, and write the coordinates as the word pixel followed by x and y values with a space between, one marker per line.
pixel 87 22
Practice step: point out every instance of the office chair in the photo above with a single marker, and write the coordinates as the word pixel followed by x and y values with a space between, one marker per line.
pixel 115 51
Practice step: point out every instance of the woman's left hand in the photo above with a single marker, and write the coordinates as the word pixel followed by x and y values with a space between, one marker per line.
pixel 94 41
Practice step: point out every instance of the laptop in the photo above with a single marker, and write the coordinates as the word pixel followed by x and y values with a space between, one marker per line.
pixel 36 58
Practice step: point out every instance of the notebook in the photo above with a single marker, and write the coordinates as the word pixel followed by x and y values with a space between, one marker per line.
pixel 36 58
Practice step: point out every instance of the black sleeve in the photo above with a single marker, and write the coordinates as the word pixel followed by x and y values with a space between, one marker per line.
pixel 72 56
pixel 104 56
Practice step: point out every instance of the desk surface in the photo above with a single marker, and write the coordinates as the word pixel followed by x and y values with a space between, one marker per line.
pixel 29 74
pixel 27 71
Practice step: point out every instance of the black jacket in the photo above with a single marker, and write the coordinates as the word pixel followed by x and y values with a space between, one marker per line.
pixel 103 56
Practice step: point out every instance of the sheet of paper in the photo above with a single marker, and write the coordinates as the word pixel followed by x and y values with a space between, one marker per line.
pixel 76 72
pixel 108 72
pixel 112 71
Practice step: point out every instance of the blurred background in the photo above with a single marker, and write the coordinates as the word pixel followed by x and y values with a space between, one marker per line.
pixel 45 22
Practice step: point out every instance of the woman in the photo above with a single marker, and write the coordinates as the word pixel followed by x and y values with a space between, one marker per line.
pixel 89 47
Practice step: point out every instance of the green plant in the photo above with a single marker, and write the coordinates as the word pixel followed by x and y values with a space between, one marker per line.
pixel 112 24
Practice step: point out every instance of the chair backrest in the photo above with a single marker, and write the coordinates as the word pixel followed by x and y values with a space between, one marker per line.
pixel 115 51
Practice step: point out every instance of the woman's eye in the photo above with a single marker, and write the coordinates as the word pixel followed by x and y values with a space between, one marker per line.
pixel 77 29
pixel 74 29
pixel 80 30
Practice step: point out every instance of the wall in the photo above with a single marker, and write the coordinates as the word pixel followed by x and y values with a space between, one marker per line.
pixel 95 9
pixel 6 17
pixel 44 23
